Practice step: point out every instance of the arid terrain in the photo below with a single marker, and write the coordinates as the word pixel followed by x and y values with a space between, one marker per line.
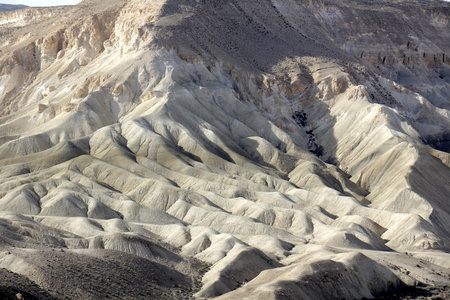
pixel 258 149
pixel 10 7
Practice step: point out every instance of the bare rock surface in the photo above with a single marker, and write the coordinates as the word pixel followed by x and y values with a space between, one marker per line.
pixel 263 149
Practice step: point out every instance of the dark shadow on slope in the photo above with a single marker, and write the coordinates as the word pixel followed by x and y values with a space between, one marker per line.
pixel 13 286
pixel 256 36
pixel 251 34
pixel 430 179
pixel 419 292
pixel 441 144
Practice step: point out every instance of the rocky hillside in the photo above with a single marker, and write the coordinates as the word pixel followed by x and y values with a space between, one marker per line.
pixel 263 148
pixel 14 19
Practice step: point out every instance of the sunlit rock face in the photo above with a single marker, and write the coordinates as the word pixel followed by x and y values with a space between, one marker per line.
pixel 265 148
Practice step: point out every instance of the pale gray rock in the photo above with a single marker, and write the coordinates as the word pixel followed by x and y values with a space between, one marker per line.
pixel 267 149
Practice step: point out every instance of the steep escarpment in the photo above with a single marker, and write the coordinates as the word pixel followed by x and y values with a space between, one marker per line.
pixel 265 146
pixel 20 15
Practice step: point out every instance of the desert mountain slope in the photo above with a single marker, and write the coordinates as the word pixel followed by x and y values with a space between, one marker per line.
pixel 10 7
pixel 293 147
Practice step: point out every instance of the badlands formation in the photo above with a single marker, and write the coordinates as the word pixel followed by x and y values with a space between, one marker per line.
pixel 258 149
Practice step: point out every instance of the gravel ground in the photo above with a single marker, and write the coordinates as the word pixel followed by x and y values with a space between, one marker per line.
pixel 98 274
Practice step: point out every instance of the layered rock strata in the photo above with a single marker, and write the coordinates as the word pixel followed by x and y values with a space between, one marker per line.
pixel 267 148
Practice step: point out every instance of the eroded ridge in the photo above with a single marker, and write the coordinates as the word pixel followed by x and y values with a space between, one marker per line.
pixel 260 148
